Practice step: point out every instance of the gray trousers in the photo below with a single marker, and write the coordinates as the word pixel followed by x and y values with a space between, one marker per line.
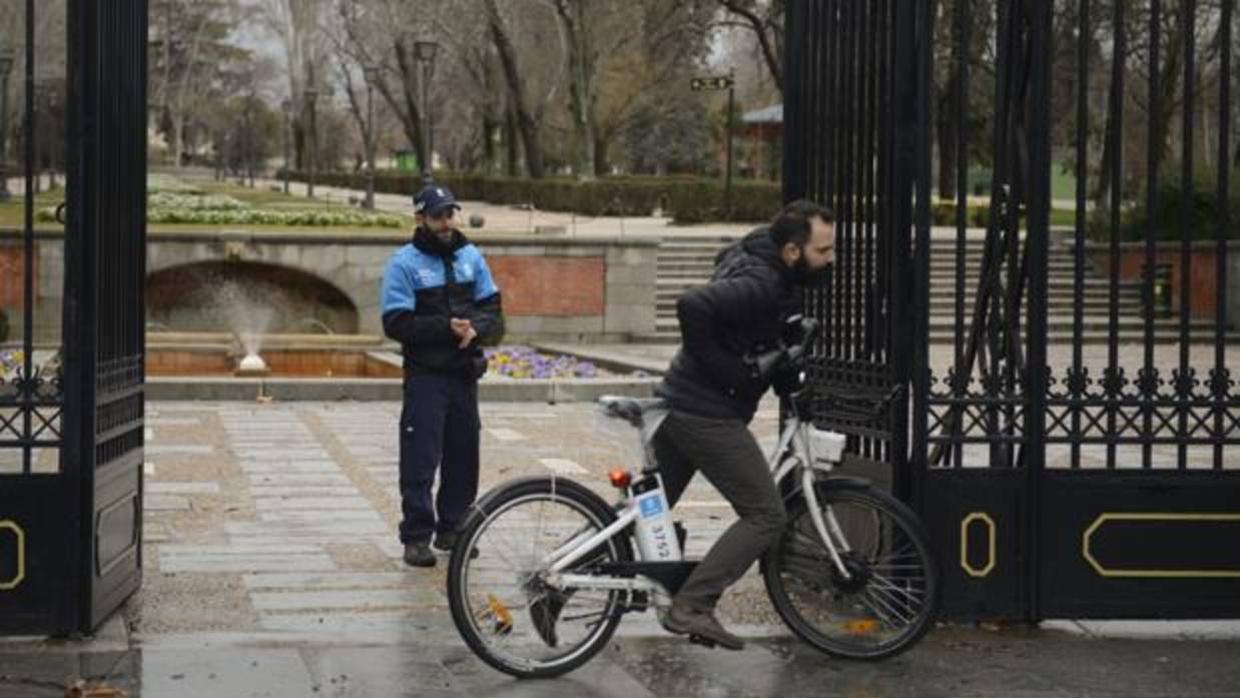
pixel 728 455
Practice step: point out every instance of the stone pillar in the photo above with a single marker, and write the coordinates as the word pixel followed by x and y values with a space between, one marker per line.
pixel 631 271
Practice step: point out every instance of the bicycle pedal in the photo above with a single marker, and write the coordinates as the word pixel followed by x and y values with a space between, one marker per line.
pixel 703 641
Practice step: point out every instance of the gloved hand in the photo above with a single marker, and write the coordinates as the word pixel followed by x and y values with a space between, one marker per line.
pixel 789 379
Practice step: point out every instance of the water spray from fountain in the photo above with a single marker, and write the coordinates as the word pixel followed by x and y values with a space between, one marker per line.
pixel 248 315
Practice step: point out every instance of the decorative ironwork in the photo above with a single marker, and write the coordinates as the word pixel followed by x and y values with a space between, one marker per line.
pixel 1048 434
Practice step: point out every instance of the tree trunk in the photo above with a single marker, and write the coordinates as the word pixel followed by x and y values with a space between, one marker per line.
pixel 580 91
pixel 510 142
pixel 407 107
pixel 526 124
pixel 488 144
pixel 771 53
pixel 946 126
pixel 602 142
pixel 1109 142
pixel 178 140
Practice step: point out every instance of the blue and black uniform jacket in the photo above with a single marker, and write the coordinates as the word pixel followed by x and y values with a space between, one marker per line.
pixel 427 282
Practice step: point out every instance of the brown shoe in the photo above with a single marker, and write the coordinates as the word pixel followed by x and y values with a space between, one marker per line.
pixel 700 625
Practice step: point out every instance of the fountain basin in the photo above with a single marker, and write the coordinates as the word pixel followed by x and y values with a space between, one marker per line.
pixel 203 366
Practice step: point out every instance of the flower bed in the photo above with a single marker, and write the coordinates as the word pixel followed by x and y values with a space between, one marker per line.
pixel 524 362
pixel 10 361
pixel 171 201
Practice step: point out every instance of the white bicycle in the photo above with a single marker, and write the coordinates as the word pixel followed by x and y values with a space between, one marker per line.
pixel 544 568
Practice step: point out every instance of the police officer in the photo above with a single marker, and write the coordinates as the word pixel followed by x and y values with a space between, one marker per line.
pixel 440 302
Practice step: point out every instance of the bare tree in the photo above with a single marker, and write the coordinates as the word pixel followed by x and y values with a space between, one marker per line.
pixel 519 103
pixel 299 26
pixel 765 18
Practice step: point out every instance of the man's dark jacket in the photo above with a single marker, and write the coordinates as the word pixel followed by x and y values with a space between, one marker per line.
pixel 739 313
pixel 427 282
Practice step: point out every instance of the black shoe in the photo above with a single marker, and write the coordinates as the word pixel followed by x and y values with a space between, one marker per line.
pixel 419 555
pixel 545 612
pixel 701 627
pixel 445 542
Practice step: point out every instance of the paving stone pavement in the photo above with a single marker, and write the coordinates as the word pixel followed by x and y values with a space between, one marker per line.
pixel 278 573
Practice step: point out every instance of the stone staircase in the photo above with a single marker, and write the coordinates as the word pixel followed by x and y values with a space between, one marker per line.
pixel 685 262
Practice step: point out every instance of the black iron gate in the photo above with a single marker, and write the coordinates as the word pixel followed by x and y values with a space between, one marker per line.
pixel 71 399
pixel 1073 456
pixel 848 103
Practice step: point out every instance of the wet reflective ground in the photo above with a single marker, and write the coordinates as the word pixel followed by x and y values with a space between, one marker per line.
pixel 952 662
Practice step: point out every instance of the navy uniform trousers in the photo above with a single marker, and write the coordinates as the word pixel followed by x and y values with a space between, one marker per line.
pixel 439 427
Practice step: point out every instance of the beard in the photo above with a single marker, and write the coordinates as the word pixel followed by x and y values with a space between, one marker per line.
pixel 810 278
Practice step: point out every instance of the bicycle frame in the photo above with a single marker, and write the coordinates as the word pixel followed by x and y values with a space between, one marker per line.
pixel 784 461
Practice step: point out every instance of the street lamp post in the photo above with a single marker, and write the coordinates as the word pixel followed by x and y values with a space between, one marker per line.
pixel 727 187
pixel 312 96
pixel 287 107
pixel 425 51
pixel 371 74
pixel 53 149
pixel 36 135
pixel 6 67
pixel 249 139
pixel 722 83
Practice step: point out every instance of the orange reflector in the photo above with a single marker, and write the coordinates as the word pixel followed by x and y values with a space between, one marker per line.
pixel 620 479
pixel 863 626
pixel 503 619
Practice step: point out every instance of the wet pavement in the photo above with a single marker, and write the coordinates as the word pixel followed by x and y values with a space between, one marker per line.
pixel 954 662
pixel 272 569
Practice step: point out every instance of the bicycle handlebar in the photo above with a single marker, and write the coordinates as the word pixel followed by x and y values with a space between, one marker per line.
pixel 765 364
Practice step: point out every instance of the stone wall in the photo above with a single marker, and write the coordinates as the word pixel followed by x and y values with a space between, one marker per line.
pixel 1202 270
pixel 555 288
pixel 1233 286
pixel 48 277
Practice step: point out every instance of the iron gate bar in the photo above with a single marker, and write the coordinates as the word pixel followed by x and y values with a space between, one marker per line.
pixel 1147 380
pixel 26 384
pixel 921 270
pixel 1077 373
pixel 905 144
pixel 963 48
pixel 835 154
pixel 1184 380
pixel 1113 378
pixel 1037 241
pixel 1220 379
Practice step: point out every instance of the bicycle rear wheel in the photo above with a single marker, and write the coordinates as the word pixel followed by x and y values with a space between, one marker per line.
pixel 504 612
pixel 890 597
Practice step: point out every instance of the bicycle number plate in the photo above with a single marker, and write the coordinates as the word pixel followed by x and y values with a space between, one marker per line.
pixel 828 446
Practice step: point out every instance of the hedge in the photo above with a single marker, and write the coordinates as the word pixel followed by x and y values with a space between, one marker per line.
pixel 685 199
pixel 1202 213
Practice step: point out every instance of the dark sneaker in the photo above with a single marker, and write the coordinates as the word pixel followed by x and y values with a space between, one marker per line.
pixel 445 542
pixel 700 625
pixel 545 612
pixel 419 555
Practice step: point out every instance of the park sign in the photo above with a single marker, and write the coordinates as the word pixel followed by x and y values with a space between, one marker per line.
pixel 718 83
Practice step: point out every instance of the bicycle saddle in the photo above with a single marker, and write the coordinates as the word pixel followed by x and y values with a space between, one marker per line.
pixel 630 409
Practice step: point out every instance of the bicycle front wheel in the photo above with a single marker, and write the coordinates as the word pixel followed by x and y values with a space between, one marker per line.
pixel 501 607
pixel 889 597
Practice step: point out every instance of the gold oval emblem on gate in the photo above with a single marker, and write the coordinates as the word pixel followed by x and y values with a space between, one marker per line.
pixel 11 529
pixel 978 518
